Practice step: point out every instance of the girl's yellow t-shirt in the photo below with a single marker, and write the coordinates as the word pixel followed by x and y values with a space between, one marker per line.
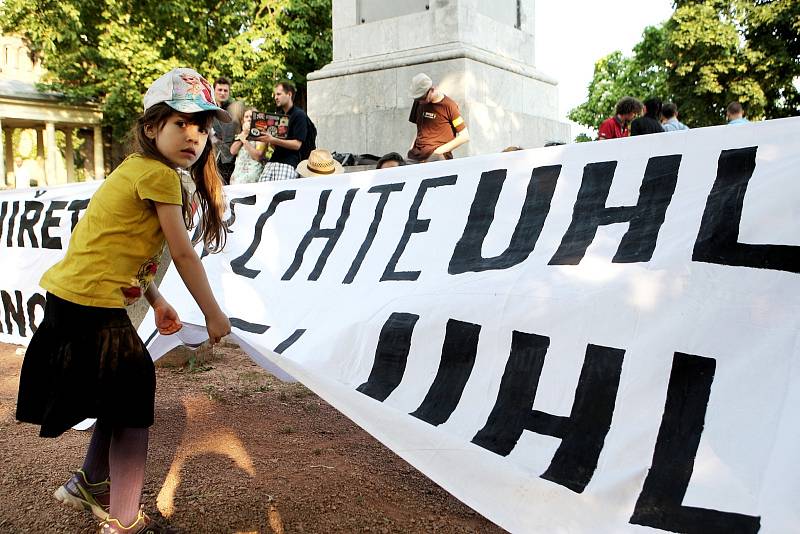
pixel 115 249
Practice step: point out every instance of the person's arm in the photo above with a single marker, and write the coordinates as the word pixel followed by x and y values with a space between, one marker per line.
pixel 289 144
pixel 460 138
pixel 255 152
pixel 166 318
pixel 190 268
pixel 236 146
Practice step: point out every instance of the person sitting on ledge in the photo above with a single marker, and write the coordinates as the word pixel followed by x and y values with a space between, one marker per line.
pixel 440 126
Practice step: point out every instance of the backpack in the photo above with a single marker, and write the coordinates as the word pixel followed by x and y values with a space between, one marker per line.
pixel 310 142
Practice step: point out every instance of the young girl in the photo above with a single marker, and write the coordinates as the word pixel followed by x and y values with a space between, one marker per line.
pixel 86 359
pixel 249 154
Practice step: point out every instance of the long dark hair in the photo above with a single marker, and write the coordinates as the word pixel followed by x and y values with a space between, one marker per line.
pixel 653 107
pixel 206 177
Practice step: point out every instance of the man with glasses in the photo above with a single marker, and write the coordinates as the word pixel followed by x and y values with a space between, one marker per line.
pixel 440 126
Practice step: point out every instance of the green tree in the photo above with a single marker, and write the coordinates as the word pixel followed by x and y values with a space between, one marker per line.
pixel 108 52
pixel 709 63
pixel 709 53
pixel 616 75
pixel 772 31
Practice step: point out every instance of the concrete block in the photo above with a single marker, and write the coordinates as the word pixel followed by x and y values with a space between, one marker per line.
pixel 356 93
pixel 342 132
pixel 471 50
pixel 341 46
pixel 344 14
pixel 493 86
pixel 389 131
pixel 542 99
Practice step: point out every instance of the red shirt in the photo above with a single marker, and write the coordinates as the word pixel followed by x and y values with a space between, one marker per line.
pixel 613 128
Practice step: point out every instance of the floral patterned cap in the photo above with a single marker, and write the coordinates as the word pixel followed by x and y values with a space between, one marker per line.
pixel 186 91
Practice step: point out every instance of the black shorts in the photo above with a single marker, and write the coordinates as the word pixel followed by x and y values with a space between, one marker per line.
pixel 85 362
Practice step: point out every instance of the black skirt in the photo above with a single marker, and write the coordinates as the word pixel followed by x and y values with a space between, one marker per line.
pixel 85 362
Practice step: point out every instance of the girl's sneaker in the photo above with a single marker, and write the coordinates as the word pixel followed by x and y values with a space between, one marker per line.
pixel 78 493
pixel 143 525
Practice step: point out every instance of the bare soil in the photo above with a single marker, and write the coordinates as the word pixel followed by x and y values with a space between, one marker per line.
pixel 233 450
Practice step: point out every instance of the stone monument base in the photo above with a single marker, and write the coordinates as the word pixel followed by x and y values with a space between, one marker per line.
pixel 363 106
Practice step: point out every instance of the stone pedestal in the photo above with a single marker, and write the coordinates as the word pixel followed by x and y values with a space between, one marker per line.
pixel 479 53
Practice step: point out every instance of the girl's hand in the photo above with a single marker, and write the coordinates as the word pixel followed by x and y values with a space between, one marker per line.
pixel 218 326
pixel 167 320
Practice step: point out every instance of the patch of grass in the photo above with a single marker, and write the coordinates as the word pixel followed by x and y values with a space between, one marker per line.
pixel 317 452
pixel 213 393
pixel 311 407
pixel 286 430
pixel 300 391
pixel 252 382
pixel 195 365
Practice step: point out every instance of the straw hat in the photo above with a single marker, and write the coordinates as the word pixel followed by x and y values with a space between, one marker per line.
pixel 320 162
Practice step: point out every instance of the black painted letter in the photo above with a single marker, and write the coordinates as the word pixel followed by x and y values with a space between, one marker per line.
pixel 660 503
pixel 11 221
pixel 52 221
pixel 458 357
pixel 582 434
pixel 14 312
pixel 413 226
pixel 76 207
pixel 718 238
pixel 391 355
pixel 467 254
pixel 315 232
pixel 30 216
pixel 36 300
pixel 646 218
pixel 238 264
pixel 385 190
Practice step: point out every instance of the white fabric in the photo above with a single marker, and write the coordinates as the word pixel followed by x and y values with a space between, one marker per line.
pixel 656 313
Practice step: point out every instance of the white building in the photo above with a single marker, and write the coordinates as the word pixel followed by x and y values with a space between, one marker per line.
pixel 37 117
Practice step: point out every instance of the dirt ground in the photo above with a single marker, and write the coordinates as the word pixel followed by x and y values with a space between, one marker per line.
pixel 233 450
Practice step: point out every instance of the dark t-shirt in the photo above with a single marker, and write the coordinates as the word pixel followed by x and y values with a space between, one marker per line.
pixel 225 133
pixel 645 125
pixel 437 124
pixel 298 129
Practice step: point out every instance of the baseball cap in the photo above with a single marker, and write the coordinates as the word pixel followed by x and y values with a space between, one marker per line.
pixel 186 91
pixel 420 85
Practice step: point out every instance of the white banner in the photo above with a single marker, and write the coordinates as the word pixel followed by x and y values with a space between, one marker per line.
pixel 35 226
pixel 597 338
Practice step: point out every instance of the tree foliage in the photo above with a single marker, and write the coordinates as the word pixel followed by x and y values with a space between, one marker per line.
pixel 616 76
pixel 109 51
pixel 709 53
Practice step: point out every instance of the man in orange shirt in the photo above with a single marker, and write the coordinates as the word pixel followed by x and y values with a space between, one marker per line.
pixel 440 126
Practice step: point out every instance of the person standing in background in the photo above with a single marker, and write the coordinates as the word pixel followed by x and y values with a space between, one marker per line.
pixel 224 133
